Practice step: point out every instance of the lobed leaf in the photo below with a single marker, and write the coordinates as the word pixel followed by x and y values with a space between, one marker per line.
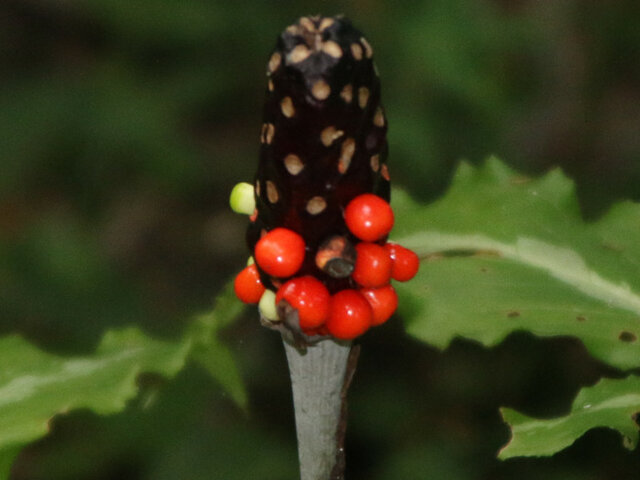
pixel 36 385
pixel 609 403
pixel 502 253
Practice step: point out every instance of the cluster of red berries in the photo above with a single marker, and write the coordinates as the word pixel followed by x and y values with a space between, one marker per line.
pixel 347 313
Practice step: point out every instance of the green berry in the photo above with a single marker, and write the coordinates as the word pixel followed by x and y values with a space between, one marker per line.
pixel 267 306
pixel 242 198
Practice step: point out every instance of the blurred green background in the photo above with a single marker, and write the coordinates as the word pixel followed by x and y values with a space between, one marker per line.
pixel 125 124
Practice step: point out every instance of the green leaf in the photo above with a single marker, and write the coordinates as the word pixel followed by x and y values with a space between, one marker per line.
pixel 609 403
pixel 7 456
pixel 211 354
pixel 502 253
pixel 36 385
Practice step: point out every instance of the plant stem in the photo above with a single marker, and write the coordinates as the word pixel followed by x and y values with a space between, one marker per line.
pixel 320 377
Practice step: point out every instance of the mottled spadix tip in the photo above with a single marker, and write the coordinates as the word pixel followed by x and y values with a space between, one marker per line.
pixel 321 48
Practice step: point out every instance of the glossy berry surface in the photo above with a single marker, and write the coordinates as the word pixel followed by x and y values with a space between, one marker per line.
pixel 309 297
pixel 280 253
pixel 405 262
pixel 373 265
pixel 369 217
pixel 350 315
pixel 248 286
pixel 383 301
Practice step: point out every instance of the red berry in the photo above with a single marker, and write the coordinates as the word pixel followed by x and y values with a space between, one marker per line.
pixel 405 262
pixel 373 265
pixel 309 297
pixel 248 286
pixel 280 252
pixel 383 301
pixel 350 315
pixel 369 217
